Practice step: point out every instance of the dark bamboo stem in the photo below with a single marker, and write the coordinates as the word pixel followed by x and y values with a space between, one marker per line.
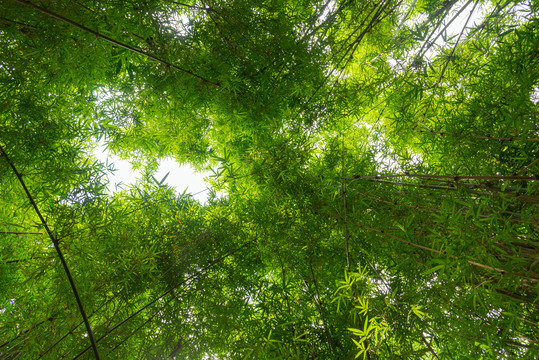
pixel 21 233
pixel 50 318
pixel 486 137
pixel 522 197
pixel 448 177
pixel 285 293
pixel 140 326
pixel 115 42
pixel 527 167
pixel 70 332
pixel 170 290
pixel 426 208
pixel 471 262
pixel 58 251
pixel 455 47
pixel 321 309
pixel 428 344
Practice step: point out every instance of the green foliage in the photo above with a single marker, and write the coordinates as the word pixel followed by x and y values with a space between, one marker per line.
pixel 341 133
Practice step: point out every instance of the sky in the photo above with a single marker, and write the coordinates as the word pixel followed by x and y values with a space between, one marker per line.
pixel 180 177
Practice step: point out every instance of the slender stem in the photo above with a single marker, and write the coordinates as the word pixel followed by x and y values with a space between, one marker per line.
pixel 344 214
pixel 194 276
pixel 76 326
pixel 426 208
pixel 140 327
pixel 50 318
pixel 450 177
pixel 21 233
pixel 527 167
pixel 192 6
pixel 58 251
pixel 455 46
pixel 285 293
pixel 471 262
pixel 487 137
pixel 115 42
pixel 427 343
pixel 318 301
pixel 494 192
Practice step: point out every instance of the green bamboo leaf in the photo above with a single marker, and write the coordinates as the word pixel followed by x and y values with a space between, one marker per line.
pixel 434 269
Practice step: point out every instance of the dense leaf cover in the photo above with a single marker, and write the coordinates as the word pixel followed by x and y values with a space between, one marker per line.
pixel 380 172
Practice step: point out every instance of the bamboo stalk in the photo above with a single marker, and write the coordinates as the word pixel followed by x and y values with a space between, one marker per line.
pixel 527 167
pixel 170 290
pixel 522 197
pixel 321 309
pixel 76 326
pixel 456 43
pixel 418 207
pixel 115 42
pixel 54 240
pixel 486 137
pixel 21 233
pixel 428 344
pixel 471 262
pixel 448 177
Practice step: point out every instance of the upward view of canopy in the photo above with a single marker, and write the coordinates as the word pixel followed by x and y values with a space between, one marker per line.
pixel 373 189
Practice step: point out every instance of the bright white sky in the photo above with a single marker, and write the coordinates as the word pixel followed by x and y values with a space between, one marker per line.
pixel 180 177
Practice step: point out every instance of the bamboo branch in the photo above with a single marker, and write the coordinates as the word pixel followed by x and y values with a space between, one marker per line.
pixel 455 46
pixel 522 197
pixel 50 318
pixel 426 208
pixel 527 167
pixel 285 294
pixel 487 137
pixel 21 233
pixel 139 327
pixel 320 308
pixel 346 236
pixel 58 251
pixel 344 210
pixel 449 177
pixel 192 6
pixel 471 262
pixel 115 42
pixel 170 290
pixel 76 326
pixel 428 344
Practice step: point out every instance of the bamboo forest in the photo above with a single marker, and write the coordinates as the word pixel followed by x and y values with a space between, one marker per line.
pixel 372 179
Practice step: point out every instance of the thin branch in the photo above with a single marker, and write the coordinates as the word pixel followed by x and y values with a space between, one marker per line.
pixel 428 41
pixel 471 262
pixel 21 233
pixel 50 318
pixel 426 208
pixel 428 344
pixel 344 212
pixel 192 6
pixel 486 137
pixel 321 309
pixel 285 293
pixel 70 332
pixel 494 192
pixel 450 177
pixel 456 43
pixel 527 167
pixel 18 23
pixel 170 290
pixel 58 251
pixel 115 42
pixel 141 326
